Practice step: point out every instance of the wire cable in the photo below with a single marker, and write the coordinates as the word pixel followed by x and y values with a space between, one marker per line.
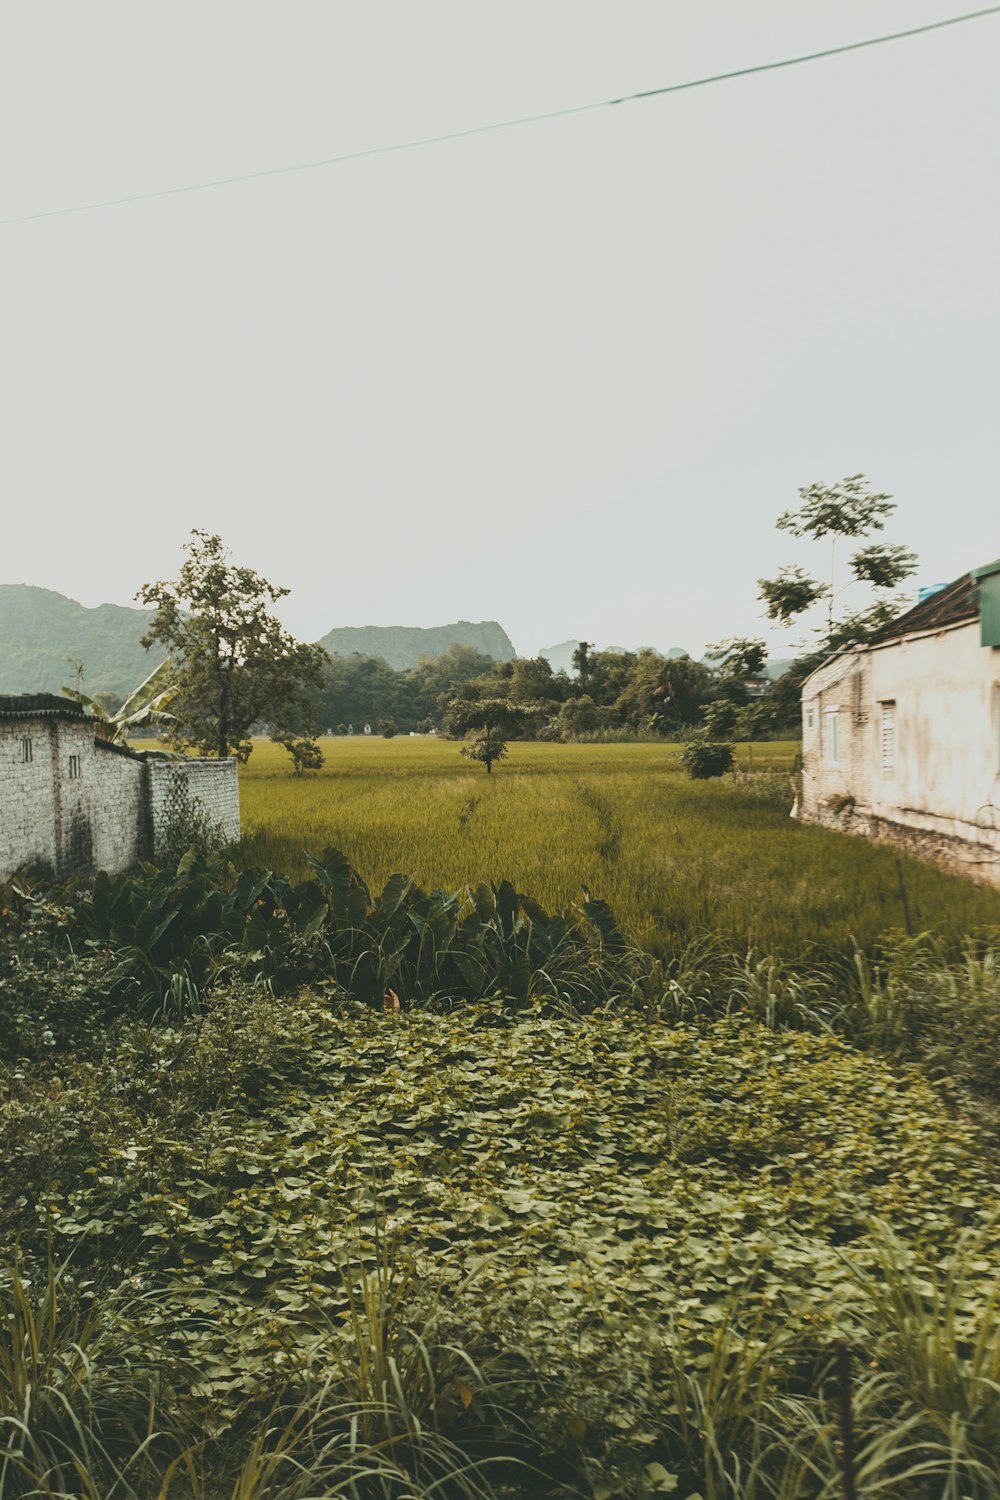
pixel 516 123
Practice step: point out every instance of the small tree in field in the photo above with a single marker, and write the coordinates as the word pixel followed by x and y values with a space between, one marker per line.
pixel 306 754
pixel 487 722
pixel 486 746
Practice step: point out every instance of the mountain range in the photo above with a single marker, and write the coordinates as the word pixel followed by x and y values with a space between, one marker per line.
pixel 45 639
pixel 402 646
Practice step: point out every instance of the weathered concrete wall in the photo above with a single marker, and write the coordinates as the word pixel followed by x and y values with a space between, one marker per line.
pixel 176 788
pixel 70 805
pixel 120 826
pixel 937 792
pixel 27 797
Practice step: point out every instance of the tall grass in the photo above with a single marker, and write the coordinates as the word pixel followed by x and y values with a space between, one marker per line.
pixel 675 859
pixel 755 1413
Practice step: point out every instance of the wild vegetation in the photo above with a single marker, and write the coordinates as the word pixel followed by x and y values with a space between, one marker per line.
pixel 667 1164
pixel 675 859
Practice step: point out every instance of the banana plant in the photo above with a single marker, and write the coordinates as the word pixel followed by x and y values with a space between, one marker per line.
pixel 145 705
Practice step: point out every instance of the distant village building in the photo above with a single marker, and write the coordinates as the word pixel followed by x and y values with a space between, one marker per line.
pixel 901 736
pixel 72 803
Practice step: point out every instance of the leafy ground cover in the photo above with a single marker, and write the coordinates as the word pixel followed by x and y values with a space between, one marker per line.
pixel 313 1187
pixel 675 859
pixel 615 1251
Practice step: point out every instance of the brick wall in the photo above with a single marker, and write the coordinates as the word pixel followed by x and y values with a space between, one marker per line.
pixel 207 787
pixel 27 797
pixel 70 804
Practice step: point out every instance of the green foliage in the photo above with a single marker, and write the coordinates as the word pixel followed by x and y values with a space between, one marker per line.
pixel 162 941
pixel 305 752
pixel 738 657
pixel 78 1386
pixel 674 858
pixel 233 663
pixel 847 509
pixel 790 594
pixel 189 827
pixel 485 746
pixel 618 1248
pixel 487 723
pixel 145 705
pixel 704 758
pixel 577 716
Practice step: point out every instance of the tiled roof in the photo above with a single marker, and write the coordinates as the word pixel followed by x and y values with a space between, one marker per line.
pixel 129 754
pixel 39 706
pixel 957 604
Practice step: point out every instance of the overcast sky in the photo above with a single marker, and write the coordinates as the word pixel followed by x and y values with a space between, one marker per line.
pixel 564 376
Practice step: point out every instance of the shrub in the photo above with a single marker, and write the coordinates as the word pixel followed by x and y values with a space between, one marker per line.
pixel 190 827
pixel 703 759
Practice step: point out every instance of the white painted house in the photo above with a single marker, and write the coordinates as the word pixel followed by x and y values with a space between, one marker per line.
pixel 901 736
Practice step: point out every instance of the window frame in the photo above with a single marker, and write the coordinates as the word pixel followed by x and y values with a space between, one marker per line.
pixel 888 738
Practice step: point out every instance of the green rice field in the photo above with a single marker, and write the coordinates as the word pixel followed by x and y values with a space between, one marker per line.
pixel 674 858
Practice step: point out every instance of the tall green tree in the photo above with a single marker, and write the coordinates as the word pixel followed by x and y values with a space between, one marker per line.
pixel 664 694
pixel 233 664
pixel 847 510
pixel 581 663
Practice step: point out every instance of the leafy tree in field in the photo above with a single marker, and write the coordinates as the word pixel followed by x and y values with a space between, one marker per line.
pixel 306 753
pixel 739 658
pixel 578 716
pixel 730 710
pixel 581 663
pixel 848 510
pixel 434 675
pixel 360 689
pixel 664 694
pixel 233 662
pixel 720 718
pixel 608 675
pixel 487 723
pixel 532 681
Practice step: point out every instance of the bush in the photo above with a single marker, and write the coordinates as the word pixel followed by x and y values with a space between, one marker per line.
pixel 190 826
pixel 702 759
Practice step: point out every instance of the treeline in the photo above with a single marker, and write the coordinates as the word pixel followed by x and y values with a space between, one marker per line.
pixel 611 693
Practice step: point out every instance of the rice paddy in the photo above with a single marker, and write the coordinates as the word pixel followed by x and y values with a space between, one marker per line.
pixel 673 857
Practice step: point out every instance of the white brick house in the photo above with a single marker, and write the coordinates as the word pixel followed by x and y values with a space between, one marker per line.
pixel 901 736
pixel 71 803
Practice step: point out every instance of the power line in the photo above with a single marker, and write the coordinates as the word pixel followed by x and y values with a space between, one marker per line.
pixel 519 121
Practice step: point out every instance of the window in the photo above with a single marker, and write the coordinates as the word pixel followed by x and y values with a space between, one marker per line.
pixel 888 736
pixel 809 718
pixel 74 768
pixel 25 750
pixel 832 717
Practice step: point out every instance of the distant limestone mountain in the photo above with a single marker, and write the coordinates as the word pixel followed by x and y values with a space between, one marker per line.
pixel 402 646
pixel 560 658
pixel 42 633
